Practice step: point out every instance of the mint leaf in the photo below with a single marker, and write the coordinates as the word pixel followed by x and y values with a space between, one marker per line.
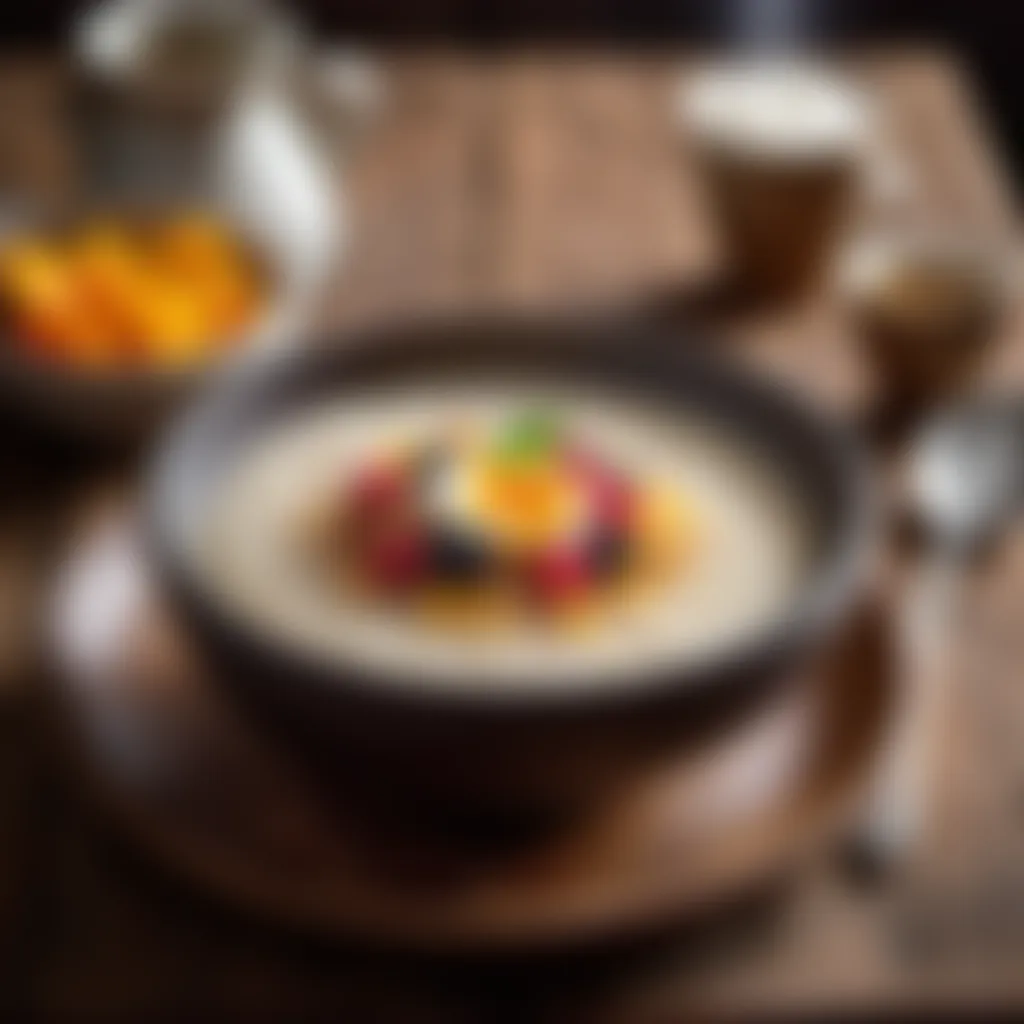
pixel 531 434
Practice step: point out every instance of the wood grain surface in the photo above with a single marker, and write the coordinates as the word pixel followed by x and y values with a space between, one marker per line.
pixel 536 180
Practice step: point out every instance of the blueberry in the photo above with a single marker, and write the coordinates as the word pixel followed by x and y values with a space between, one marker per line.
pixel 459 556
pixel 607 551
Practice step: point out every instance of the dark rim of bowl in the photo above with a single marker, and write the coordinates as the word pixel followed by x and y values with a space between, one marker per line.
pixel 833 581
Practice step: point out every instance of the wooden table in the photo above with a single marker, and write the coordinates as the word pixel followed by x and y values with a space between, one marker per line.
pixel 532 181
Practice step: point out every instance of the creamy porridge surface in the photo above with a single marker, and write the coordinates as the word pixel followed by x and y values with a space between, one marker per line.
pixel 751 559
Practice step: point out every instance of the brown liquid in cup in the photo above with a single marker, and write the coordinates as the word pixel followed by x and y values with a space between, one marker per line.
pixel 778 220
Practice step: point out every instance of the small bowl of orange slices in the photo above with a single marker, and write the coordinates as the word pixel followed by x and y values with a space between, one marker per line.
pixel 108 317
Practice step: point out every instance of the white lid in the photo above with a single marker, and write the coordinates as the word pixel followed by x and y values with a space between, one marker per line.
pixel 774 108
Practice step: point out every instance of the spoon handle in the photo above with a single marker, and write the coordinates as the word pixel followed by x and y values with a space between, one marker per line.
pixel 900 801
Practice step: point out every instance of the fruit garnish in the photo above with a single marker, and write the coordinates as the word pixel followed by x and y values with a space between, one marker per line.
pixel 529 435
pixel 524 517
pixel 458 555
pixel 527 503
pixel 375 503
pixel 559 575
pixel 607 551
pixel 610 493
pixel 377 487
pixel 614 504
pixel 397 559
pixel 665 528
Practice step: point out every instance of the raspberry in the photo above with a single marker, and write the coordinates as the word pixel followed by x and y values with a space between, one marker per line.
pixel 559 574
pixel 610 494
pixel 378 488
pixel 397 560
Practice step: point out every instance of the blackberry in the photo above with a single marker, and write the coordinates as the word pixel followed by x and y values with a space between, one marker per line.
pixel 607 552
pixel 459 556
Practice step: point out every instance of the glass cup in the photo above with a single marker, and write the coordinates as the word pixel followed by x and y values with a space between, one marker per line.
pixel 781 145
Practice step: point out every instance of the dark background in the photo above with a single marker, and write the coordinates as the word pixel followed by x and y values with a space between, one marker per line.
pixel 987 35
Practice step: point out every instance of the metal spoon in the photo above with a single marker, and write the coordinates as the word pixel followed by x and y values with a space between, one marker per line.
pixel 966 481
